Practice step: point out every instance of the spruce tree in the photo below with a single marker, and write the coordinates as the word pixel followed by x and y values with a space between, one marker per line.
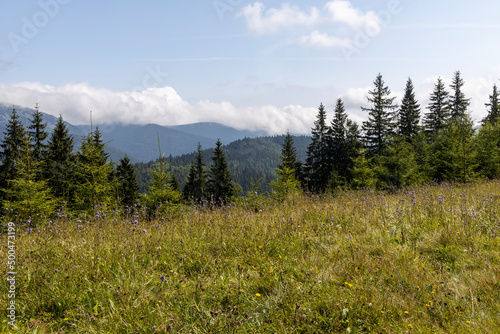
pixel 29 196
pixel 409 114
pixel 487 146
pixel 288 170
pixel 195 187
pixel 439 109
pixel 344 146
pixel 457 101
pixel 381 118
pixel 493 107
pixel 318 166
pixel 93 185
pixel 220 184
pixel 128 189
pixel 38 135
pixel 59 163
pixel 288 157
pixel 12 146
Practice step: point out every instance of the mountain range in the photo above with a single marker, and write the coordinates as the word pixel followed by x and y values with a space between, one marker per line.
pixel 140 142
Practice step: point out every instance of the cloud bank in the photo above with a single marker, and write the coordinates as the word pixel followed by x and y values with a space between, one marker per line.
pixel 162 106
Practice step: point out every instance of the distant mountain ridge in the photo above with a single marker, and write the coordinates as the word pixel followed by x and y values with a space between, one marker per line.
pixel 140 142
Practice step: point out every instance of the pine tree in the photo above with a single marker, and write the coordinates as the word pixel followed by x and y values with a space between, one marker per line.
pixel 220 185
pixel 452 152
pixel 344 146
pixel 195 186
pixel 59 163
pixel 457 101
pixel 12 146
pixel 381 116
pixel 29 197
pixel 128 189
pixel 288 170
pixel 487 146
pixel 38 135
pixel 439 109
pixel 398 167
pixel 363 175
pixel 288 157
pixel 318 166
pixel 93 185
pixel 493 107
pixel 409 114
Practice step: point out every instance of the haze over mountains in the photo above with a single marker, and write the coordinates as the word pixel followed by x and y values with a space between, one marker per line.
pixel 140 142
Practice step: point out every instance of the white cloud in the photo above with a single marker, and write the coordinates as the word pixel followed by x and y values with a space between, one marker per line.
pixel 343 12
pixel 273 20
pixel 317 39
pixel 154 105
pixel 337 16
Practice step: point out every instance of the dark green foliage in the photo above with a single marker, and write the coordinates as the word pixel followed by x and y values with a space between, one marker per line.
pixel 220 185
pixel 493 107
pixel 93 184
pixel 195 187
pixel 11 145
pixel 452 152
pixel 29 196
pixel 439 109
pixel 398 168
pixel 487 146
pixel 288 170
pixel 59 164
pixel 363 175
pixel 318 167
pixel 344 146
pixel 38 135
pixel 289 159
pixel 128 189
pixel 380 125
pixel 409 114
pixel 457 101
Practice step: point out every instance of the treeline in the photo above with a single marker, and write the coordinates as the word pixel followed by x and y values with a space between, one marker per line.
pixel 42 174
pixel 400 144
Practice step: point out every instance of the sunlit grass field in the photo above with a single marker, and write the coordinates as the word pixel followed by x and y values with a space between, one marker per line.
pixel 422 260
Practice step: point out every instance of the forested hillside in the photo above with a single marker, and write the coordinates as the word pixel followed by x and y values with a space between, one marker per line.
pixel 250 160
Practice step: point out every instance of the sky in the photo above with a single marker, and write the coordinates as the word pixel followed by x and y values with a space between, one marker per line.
pixel 255 65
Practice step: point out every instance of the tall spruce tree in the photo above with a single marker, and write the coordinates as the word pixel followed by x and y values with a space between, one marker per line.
pixel 288 170
pixel 128 189
pixel 457 101
pixel 409 114
pixel 493 107
pixel 29 195
pixel 59 163
pixel 318 166
pixel 439 109
pixel 344 145
pixel 195 187
pixel 220 184
pixel 12 146
pixel 93 183
pixel 487 147
pixel 38 135
pixel 289 157
pixel 380 125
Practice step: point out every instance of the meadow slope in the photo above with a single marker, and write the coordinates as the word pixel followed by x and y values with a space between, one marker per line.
pixel 422 260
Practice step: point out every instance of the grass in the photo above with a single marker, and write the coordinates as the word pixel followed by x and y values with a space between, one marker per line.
pixel 423 260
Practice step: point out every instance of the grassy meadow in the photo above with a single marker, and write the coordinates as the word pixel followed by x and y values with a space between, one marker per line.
pixel 421 260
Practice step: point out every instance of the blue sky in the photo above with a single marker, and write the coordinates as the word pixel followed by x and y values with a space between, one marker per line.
pixel 263 65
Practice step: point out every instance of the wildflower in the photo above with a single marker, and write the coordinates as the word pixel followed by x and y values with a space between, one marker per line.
pixel 92 318
pixel 406 312
pixel 410 326
pixel 258 294
pixel 57 270
pixel 144 231
pixel 84 240
pixel 154 327
pixel 163 279
pixel 468 321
